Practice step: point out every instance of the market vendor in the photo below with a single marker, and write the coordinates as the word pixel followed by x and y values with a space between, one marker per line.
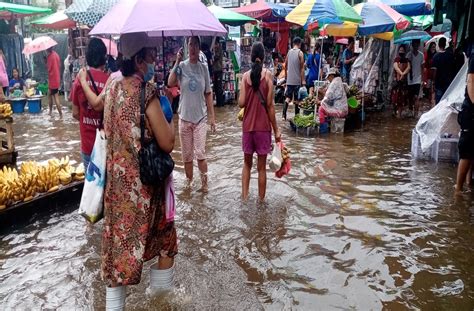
pixel 16 83
pixel 334 103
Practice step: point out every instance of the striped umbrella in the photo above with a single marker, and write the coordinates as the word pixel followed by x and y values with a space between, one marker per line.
pixel 323 12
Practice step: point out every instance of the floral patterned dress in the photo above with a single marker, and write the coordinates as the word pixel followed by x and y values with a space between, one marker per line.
pixel 135 228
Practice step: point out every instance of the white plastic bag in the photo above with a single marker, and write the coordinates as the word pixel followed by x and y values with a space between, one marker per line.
pixel 276 159
pixel 91 206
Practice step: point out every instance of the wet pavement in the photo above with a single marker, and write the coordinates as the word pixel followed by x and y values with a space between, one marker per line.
pixel 356 225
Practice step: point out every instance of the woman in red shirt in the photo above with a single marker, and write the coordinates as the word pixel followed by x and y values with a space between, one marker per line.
pixel 256 96
pixel 427 78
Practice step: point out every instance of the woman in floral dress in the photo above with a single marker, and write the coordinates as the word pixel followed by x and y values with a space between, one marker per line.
pixel 135 228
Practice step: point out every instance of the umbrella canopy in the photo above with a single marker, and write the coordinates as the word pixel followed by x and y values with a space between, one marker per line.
pixel 111 46
pixel 265 11
pixel 379 18
pixel 435 39
pixel 323 12
pixel 413 35
pixel 406 7
pixel 230 17
pixel 56 21
pixel 11 10
pixel 39 44
pixel 177 18
pixel 89 12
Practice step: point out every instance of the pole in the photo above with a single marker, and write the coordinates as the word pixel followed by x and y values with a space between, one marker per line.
pixel 362 117
pixel 319 74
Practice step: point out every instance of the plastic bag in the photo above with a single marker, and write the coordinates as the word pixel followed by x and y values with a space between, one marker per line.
pixel 170 202
pixel 275 159
pixel 285 166
pixel 240 116
pixel 302 93
pixel 91 206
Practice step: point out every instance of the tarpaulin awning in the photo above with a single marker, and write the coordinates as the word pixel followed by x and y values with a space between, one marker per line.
pixel 58 20
pixel 230 17
pixel 266 11
pixel 11 10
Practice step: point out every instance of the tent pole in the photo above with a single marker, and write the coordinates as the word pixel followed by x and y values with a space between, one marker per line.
pixel 363 93
pixel 319 74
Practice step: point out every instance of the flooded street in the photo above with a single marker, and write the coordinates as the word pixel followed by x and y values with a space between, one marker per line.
pixel 356 225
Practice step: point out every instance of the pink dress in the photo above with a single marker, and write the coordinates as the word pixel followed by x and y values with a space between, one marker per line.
pixel 3 73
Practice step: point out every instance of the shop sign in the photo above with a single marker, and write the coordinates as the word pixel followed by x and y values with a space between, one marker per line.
pixel 227 3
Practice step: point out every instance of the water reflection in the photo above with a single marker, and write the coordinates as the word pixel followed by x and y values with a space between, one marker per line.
pixel 356 225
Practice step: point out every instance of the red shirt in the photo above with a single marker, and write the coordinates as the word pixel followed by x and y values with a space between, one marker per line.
pixel 255 115
pixel 53 63
pixel 89 119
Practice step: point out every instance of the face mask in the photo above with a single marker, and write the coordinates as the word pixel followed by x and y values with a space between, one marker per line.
pixel 150 72
pixel 402 55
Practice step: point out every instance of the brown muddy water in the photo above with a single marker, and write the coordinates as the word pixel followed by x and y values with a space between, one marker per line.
pixel 357 225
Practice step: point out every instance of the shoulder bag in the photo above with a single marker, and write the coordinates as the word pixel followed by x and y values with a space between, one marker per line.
pixel 155 164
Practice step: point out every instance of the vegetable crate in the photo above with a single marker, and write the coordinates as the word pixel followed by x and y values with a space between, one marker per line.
pixel 7 148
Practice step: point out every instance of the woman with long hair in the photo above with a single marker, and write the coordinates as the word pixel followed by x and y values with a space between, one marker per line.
pixel 401 69
pixel 427 77
pixel 256 96
pixel 135 226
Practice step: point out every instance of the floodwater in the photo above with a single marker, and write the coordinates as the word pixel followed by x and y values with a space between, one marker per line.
pixel 356 225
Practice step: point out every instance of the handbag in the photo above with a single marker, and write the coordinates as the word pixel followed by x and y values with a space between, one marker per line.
pixel 155 164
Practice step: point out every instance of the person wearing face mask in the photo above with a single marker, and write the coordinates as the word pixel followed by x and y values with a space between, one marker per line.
pixel 401 68
pixel 135 226
pixel 196 108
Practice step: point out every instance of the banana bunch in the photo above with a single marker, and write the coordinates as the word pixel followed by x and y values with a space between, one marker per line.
pixel 23 188
pixel 79 172
pixel 5 195
pixel 285 154
pixel 7 175
pixel 30 167
pixel 5 110
pixel 48 178
pixel 65 174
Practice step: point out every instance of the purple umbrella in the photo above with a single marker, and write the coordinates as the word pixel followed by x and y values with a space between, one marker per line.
pixel 164 18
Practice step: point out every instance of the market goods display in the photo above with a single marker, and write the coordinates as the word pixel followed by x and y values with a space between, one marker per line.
pixel 353 91
pixel 304 121
pixel 308 103
pixel 34 178
pixel 5 110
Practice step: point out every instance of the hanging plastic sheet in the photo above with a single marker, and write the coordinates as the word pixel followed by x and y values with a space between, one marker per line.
pixel 12 45
pixel 441 119
pixel 365 70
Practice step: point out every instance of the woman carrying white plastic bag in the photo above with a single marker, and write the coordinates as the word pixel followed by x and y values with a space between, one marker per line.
pixel 92 199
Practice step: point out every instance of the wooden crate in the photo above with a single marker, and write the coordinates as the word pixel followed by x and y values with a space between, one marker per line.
pixel 7 147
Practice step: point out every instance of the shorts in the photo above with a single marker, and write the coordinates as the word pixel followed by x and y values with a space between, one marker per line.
pixel 414 90
pixel 193 140
pixel 53 91
pixel 466 145
pixel 257 142
pixel 292 92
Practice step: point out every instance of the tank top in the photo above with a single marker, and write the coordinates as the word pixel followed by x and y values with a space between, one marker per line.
pixel 255 115
pixel 293 76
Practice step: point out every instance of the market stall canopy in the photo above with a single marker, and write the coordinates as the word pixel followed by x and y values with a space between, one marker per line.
pixel 57 21
pixel 38 45
pixel 413 35
pixel 406 7
pixel 348 29
pixel 323 12
pixel 176 18
pixel 379 18
pixel 89 12
pixel 266 11
pixel 11 10
pixel 230 17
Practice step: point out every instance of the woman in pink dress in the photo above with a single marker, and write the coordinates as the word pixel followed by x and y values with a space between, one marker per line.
pixel 3 72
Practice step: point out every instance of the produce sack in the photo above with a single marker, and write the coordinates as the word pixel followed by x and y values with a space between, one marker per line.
pixel 170 202
pixel 92 200
pixel 275 159
pixel 286 165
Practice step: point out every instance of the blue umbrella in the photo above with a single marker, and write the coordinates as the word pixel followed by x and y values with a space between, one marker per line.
pixel 413 35
pixel 406 7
